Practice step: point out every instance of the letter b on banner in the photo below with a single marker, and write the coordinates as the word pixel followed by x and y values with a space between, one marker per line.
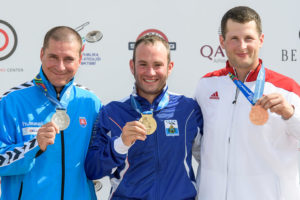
pixel 287 55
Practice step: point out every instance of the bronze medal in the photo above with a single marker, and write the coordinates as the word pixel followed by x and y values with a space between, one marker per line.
pixel 149 122
pixel 258 115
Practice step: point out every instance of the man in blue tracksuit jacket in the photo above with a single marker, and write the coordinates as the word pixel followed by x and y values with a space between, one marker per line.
pixel 38 160
pixel 141 164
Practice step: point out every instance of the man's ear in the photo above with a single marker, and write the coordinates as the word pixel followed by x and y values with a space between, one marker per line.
pixel 170 67
pixel 41 54
pixel 131 64
pixel 261 39
pixel 221 39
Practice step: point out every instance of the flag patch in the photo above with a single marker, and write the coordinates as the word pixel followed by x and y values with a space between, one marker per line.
pixel 82 122
pixel 171 128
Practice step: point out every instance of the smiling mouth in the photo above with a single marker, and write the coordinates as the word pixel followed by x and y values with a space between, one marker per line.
pixel 242 54
pixel 149 81
pixel 58 74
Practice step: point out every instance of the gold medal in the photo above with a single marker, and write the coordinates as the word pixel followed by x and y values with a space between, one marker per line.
pixel 149 122
pixel 258 115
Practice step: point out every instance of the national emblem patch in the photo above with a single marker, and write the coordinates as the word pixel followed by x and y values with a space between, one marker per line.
pixel 171 128
pixel 82 122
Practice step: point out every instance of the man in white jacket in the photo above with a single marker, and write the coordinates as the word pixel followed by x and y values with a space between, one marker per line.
pixel 251 121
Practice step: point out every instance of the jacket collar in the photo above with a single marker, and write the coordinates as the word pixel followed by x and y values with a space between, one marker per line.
pixel 51 89
pixel 144 102
pixel 252 74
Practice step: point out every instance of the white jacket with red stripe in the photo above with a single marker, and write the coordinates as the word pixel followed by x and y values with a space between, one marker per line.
pixel 239 160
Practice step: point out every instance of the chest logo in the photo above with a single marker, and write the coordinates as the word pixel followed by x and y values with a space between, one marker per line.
pixel 82 122
pixel 215 95
pixel 171 128
pixel 30 130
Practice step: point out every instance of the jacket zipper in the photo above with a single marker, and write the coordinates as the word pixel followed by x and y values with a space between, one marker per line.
pixel 21 189
pixel 157 161
pixel 62 158
pixel 237 91
pixel 63 164
pixel 228 147
pixel 236 95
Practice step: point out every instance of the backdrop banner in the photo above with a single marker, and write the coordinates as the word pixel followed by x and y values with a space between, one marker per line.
pixel 109 30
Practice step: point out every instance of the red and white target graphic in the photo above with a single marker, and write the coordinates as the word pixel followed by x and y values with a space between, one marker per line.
pixel 153 32
pixel 8 40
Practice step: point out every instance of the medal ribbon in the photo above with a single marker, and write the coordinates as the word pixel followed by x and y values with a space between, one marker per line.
pixel 60 105
pixel 259 86
pixel 137 106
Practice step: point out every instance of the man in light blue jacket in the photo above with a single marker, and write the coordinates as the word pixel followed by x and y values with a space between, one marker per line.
pixel 45 127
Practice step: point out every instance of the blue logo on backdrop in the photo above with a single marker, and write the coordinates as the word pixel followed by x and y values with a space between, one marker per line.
pixel 89 57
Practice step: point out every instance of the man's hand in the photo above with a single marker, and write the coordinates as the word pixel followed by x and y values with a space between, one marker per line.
pixel 46 135
pixel 277 104
pixel 133 131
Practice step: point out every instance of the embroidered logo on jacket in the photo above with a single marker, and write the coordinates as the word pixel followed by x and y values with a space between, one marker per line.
pixel 215 95
pixel 30 130
pixel 82 122
pixel 171 127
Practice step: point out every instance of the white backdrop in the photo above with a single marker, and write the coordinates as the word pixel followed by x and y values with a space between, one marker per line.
pixel 191 26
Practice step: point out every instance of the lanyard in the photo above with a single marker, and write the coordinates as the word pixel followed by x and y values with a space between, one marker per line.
pixel 137 106
pixel 60 105
pixel 259 86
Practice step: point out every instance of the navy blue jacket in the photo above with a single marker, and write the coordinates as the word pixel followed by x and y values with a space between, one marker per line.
pixel 157 168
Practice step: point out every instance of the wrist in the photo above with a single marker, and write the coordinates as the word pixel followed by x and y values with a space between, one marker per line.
pixel 120 147
pixel 289 113
pixel 124 141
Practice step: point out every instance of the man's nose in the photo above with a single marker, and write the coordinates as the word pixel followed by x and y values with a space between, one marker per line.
pixel 60 65
pixel 151 71
pixel 243 44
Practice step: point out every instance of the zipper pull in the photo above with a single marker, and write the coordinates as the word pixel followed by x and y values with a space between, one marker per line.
pixel 236 95
pixel 58 95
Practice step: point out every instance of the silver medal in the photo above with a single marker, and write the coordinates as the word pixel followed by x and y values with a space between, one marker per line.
pixel 61 119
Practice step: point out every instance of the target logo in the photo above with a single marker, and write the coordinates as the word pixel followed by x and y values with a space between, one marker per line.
pixel 8 40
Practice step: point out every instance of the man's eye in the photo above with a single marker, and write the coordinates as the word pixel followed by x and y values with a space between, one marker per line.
pixel 69 59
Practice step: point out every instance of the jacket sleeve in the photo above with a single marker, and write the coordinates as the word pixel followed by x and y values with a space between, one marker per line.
pixel 101 156
pixel 17 156
pixel 197 140
pixel 293 124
